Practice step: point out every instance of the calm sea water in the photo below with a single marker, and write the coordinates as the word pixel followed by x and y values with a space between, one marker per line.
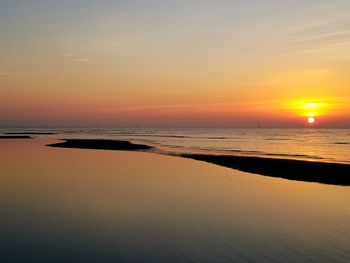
pixel 328 145
pixel 87 206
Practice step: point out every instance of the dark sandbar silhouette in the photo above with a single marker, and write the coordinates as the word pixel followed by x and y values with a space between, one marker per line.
pixel 307 171
pixel 98 144
pixel 5 137
pixel 320 172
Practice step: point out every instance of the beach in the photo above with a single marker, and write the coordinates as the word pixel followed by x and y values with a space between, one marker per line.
pixel 82 205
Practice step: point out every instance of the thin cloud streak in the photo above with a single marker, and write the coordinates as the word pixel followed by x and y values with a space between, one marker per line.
pixel 75 57
pixel 82 59
pixel 208 107
pixel 5 73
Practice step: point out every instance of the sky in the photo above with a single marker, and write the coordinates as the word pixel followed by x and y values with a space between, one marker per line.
pixel 221 63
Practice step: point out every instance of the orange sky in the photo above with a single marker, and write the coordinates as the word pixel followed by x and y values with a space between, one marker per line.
pixel 214 63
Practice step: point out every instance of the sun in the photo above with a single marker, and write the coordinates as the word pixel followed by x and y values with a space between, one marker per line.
pixel 311 120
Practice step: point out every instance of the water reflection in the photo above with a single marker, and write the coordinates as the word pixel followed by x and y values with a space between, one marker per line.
pixel 66 205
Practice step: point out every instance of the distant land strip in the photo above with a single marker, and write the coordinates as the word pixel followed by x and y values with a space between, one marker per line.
pixel 30 133
pixel 299 170
pixel 6 137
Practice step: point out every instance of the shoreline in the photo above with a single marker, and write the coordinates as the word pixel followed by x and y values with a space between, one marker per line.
pixel 297 170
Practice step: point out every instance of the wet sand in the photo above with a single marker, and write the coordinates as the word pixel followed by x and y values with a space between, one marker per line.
pixel 319 172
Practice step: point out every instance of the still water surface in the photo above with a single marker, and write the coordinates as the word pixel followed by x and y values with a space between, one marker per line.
pixel 70 205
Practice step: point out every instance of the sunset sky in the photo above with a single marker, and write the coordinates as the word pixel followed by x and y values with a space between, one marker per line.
pixel 221 63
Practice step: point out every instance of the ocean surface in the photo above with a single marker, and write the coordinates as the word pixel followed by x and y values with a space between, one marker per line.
pixel 78 205
pixel 86 206
pixel 327 145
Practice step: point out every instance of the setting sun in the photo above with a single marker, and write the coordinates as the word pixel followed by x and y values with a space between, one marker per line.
pixel 311 120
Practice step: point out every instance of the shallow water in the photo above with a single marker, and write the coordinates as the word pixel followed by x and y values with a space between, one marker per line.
pixel 69 205
pixel 328 145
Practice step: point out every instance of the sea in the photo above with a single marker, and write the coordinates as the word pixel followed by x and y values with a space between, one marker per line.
pixel 86 206
pixel 311 144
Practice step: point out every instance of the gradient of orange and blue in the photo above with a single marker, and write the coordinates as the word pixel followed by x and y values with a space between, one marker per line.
pixel 175 63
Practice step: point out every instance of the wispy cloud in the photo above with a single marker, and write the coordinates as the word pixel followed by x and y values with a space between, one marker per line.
pixel 219 107
pixel 318 29
pixel 75 57
pixel 282 76
pixel 68 55
pixel 330 35
pixel 82 59
pixel 6 73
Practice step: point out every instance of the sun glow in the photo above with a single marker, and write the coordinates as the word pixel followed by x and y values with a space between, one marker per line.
pixel 309 108
pixel 312 105
pixel 312 109
pixel 311 120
